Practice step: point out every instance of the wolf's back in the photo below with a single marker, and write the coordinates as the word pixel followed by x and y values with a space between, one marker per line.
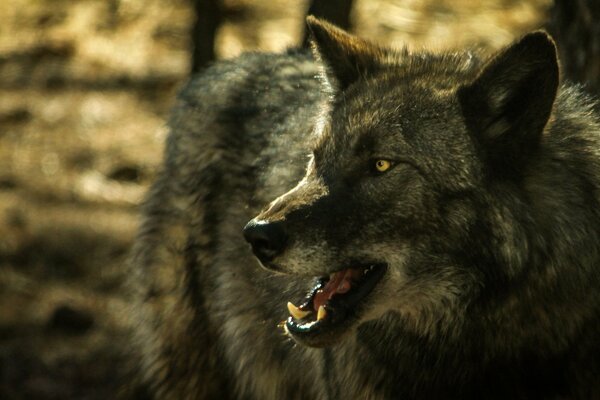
pixel 238 137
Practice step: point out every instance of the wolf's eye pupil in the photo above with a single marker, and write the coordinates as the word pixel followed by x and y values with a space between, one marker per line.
pixel 382 165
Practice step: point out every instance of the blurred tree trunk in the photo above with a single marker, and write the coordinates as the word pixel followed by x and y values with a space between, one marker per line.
pixel 575 24
pixel 208 18
pixel 335 11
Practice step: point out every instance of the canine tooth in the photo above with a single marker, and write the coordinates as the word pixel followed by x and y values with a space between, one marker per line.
pixel 321 313
pixel 296 312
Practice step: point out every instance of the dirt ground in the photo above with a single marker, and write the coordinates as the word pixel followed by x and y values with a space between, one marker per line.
pixel 85 87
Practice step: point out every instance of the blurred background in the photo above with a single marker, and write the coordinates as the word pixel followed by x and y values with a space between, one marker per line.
pixel 85 88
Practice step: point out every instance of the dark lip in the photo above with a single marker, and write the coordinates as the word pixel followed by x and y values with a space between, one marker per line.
pixel 343 311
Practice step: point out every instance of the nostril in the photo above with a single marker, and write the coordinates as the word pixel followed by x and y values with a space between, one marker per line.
pixel 267 239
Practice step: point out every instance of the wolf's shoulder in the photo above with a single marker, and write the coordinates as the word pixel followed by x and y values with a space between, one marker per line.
pixel 253 93
pixel 255 109
pixel 250 75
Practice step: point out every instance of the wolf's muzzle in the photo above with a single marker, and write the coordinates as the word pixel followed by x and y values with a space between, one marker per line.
pixel 268 239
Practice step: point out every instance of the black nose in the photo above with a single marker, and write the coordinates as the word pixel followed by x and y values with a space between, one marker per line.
pixel 268 239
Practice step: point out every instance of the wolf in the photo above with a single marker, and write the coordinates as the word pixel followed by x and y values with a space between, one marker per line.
pixel 370 223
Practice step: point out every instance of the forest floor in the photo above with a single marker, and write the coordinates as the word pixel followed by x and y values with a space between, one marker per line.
pixel 85 88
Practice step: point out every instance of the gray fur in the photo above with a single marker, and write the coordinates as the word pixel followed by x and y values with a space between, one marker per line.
pixel 493 271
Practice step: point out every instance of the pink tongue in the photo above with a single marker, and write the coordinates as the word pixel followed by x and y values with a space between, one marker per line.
pixel 341 282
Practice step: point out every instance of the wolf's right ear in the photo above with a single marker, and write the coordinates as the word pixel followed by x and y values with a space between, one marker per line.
pixel 508 105
pixel 346 57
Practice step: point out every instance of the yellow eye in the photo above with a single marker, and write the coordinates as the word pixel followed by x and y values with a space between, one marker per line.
pixel 382 165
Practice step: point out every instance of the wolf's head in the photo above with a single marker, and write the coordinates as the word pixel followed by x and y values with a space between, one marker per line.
pixel 398 211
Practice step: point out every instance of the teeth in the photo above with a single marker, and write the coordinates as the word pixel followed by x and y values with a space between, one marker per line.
pixel 321 313
pixel 296 312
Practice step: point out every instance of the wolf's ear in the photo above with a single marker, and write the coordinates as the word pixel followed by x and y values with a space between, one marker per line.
pixel 508 105
pixel 346 57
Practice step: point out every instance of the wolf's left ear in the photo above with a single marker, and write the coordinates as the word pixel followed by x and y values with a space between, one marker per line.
pixel 346 57
pixel 508 105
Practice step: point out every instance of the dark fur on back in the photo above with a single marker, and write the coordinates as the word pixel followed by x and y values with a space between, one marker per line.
pixel 489 223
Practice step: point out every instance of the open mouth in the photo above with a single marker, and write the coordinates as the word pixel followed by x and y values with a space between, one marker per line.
pixel 332 305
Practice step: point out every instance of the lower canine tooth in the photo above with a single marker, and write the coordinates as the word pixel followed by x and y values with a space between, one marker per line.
pixel 296 312
pixel 321 313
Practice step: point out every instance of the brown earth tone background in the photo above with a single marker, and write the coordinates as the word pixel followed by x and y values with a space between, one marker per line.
pixel 85 87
